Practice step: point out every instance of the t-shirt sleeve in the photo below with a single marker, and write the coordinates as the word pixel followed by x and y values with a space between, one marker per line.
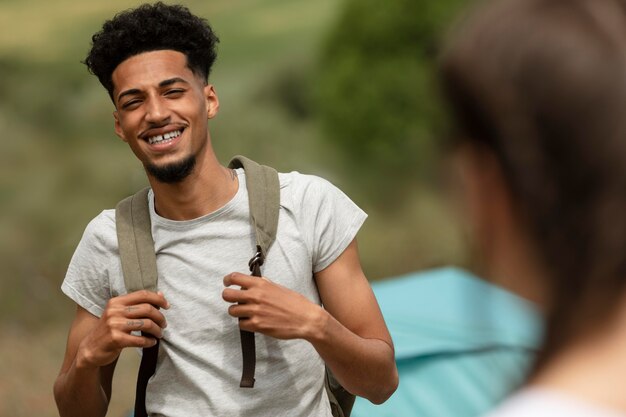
pixel 328 219
pixel 87 278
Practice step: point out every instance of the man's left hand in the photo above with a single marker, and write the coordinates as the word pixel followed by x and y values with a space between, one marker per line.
pixel 269 308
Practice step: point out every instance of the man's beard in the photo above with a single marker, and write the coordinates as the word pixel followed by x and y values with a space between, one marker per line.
pixel 174 172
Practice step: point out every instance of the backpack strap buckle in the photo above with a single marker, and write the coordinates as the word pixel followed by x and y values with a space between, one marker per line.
pixel 256 261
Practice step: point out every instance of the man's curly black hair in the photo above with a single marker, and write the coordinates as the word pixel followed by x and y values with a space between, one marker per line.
pixel 152 27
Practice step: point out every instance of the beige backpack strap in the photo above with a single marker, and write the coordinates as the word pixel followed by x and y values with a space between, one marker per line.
pixel 264 200
pixel 136 248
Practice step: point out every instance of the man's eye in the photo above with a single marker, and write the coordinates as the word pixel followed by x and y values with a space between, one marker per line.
pixel 131 104
pixel 175 92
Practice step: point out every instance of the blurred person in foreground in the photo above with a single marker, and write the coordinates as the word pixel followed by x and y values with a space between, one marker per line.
pixel 538 93
pixel 154 61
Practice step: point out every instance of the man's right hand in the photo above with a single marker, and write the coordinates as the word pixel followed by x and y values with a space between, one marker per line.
pixel 83 387
pixel 137 311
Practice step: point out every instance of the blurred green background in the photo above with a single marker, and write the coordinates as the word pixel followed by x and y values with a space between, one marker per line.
pixel 344 89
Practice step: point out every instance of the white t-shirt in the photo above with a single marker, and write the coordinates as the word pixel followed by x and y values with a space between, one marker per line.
pixel 539 402
pixel 199 364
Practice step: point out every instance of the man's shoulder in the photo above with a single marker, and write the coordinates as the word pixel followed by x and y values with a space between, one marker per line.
pixel 295 182
pixel 101 230
pixel 105 219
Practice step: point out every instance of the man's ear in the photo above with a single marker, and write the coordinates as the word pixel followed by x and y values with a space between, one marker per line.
pixel 212 102
pixel 118 128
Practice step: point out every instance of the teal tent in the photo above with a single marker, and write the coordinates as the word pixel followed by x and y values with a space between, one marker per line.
pixel 461 344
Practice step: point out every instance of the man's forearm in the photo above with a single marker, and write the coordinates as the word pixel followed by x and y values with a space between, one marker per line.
pixel 79 392
pixel 365 367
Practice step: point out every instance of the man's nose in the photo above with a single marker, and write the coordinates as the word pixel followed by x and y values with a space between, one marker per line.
pixel 157 111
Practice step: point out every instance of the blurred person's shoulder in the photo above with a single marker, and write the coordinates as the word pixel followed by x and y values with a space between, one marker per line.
pixel 541 402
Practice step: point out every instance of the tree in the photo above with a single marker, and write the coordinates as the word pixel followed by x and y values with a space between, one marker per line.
pixel 377 93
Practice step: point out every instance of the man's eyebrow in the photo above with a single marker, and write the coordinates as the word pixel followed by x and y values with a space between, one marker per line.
pixel 171 81
pixel 128 92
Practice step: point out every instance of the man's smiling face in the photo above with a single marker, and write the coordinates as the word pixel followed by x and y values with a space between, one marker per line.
pixel 162 109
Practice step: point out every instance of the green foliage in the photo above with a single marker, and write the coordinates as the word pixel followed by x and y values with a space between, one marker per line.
pixel 378 90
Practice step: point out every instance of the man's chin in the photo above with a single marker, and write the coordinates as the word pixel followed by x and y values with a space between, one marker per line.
pixel 174 172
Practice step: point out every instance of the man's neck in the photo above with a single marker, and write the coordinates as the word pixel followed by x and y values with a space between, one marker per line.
pixel 209 187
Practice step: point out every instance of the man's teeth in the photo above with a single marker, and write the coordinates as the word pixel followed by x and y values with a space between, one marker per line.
pixel 164 138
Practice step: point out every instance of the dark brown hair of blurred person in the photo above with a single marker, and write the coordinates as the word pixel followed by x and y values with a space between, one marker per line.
pixel 537 90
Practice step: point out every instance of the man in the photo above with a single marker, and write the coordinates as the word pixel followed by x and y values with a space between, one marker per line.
pixel 154 62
